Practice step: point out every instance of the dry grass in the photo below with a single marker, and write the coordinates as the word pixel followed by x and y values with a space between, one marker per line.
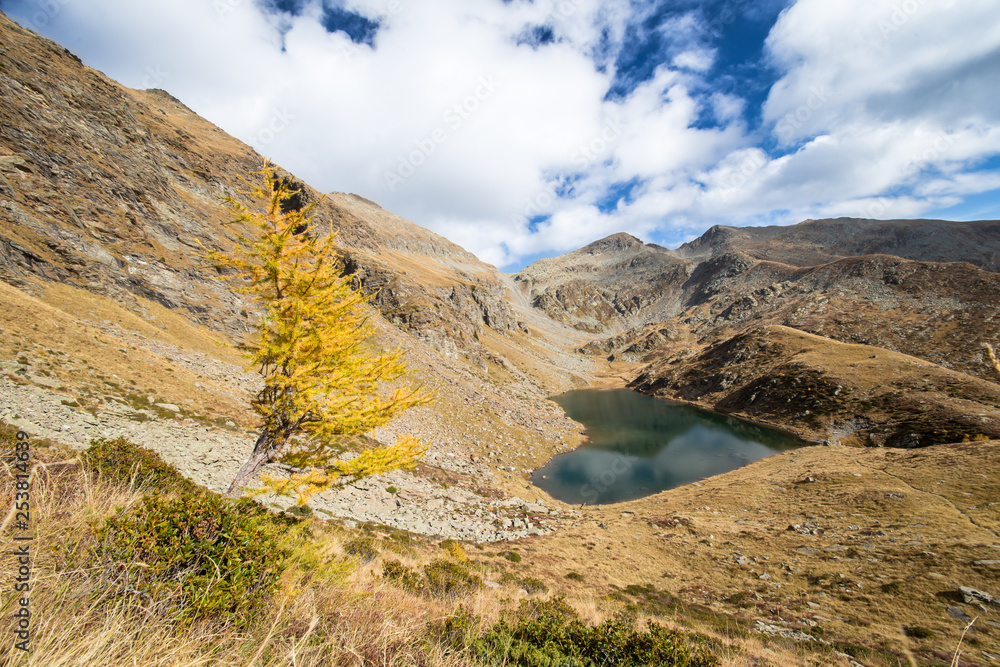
pixel 331 614
pixel 331 609
pixel 908 526
pixel 57 333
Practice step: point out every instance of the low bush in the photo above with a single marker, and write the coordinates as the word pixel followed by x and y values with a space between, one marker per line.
pixel 532 585
pixel 195 555
pixel 455 550
pixel 544 633
pixel 441 578
pixel 918 632
pixel 362 548
pixel 123 462
pixel 401 575
pixel 449 579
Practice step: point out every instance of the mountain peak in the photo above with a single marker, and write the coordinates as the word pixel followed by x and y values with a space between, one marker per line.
pixel 615 242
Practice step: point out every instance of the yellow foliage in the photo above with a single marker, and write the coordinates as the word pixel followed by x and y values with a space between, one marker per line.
pixel 322 377
pixel 455 550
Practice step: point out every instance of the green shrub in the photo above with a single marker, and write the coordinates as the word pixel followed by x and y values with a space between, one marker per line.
pixel 401 575
pixel 529 584
pixel 918 632
pixel 441 578
pixel 549 633
pixel 300 511
pixel 391 489
pixel 448 579
pixel 512 556
pixel 532 585
pixel 198 555
pixel 363 548
pixel 574 576
pixel 124 462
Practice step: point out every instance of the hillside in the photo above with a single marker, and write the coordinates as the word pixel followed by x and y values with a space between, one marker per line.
pixel 940 311
pixel 822 241
pixel 109 198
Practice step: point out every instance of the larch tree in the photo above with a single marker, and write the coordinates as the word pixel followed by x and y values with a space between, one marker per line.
pixel 324 380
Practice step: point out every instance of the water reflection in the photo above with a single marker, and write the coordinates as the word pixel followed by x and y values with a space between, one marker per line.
pixel 640 445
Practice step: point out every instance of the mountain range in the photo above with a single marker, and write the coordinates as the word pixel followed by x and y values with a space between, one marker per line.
pixel 873 337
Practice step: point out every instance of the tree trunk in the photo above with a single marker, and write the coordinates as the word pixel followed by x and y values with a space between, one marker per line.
pixel 265 448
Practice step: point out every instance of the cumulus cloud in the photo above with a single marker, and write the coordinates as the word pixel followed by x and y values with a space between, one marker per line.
pixel 523 128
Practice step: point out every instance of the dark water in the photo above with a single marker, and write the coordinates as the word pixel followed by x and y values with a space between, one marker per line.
pixel 640 445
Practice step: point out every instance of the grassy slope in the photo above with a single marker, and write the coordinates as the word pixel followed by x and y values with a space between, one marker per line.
pixel 823 389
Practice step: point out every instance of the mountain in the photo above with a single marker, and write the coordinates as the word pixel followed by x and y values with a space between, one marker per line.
pixel 867 335
pixel 109 198
pixel 816 242
pixel 731 279
pixel 609 285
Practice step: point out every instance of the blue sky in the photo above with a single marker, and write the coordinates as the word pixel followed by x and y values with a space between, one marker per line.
pixel 522 129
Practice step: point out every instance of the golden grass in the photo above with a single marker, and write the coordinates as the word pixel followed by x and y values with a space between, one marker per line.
pixel 334 615
pixel 330 609
pixel 59 323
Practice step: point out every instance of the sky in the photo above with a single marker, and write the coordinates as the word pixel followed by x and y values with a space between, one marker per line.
pixel 522 129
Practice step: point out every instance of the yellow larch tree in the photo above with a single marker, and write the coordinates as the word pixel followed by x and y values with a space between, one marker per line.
pixel 324 380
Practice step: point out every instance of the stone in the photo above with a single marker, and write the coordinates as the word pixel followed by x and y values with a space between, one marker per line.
pixel 28 427
pixel 973 596
pixel 168 406
pixel 958 614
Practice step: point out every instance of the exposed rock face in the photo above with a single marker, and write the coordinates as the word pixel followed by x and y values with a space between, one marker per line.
pixel 118 191
pixel 944 312
pixel 610 285
pixel 816 242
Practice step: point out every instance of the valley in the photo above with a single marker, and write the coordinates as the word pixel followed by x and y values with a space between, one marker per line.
pixel 872 350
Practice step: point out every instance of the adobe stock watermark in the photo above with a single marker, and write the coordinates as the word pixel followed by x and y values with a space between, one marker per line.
pixel 937 149
pixel 22 539
pixel 584 157
pixel 793 121
pixel 46 12
pixel 225 7
pixel 564 9
pixel 155 76
pixel 736 180
pixel 598 484
pixel 279 121
pixel 727 15
pixel 453 118
pixel 899 16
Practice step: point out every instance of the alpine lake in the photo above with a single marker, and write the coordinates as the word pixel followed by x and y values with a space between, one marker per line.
pixel 639 445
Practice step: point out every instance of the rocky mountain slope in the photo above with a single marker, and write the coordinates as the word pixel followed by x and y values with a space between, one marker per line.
pixel 108 199
pixel 610 285
pixel 825 390
pixel 118 191
pixel 816 242
pixel 942 311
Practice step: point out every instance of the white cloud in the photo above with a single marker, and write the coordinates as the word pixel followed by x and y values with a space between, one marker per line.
pixel 880 105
